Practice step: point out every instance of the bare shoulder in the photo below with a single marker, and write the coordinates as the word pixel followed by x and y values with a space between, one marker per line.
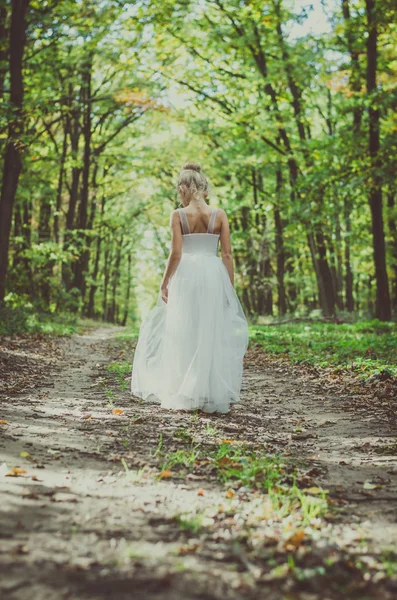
pixel 222 214
pixel 174 217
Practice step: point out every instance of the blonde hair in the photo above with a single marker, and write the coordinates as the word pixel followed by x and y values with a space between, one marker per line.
pixel 193 180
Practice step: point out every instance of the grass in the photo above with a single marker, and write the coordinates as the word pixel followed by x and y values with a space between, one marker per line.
pixel 120 370
pixel 254 470
pixel 182 458
pixel 365 347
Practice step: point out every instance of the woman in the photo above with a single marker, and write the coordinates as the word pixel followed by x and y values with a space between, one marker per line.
pixel 192 343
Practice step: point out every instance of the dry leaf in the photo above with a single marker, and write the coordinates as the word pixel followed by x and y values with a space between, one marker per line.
pixel 371 486
pixel 303 436
pixel 165 474
pixel 200 492
pixel 295 540
pixel 25 454
pixel 224 461
pixel 3 422
pixel 117 411
pixel 313 490
pixel 229 494
pixel 183 550
pixel 16 472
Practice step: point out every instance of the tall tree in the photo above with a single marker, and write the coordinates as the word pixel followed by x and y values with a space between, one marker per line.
pixel 383 307
pixel 12 159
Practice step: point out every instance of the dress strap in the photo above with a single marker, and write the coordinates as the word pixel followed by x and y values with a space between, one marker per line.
pixel 184 221
pixel 212 221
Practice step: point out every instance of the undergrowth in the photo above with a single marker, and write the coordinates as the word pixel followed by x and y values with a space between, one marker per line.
pixel 365 347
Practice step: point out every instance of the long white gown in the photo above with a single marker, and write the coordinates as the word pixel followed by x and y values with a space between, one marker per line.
pixel 190 350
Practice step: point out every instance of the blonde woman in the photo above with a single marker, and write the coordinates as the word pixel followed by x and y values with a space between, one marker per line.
pixel 192 343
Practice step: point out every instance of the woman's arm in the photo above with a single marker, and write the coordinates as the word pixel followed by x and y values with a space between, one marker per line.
pixel 175 253
pixel 226 248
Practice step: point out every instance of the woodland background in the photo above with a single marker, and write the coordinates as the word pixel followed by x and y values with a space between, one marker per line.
pixel 289 106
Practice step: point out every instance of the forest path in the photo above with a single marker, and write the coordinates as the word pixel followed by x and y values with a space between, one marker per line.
pixel 78 524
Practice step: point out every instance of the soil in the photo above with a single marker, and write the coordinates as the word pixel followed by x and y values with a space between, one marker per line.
pixel 88 517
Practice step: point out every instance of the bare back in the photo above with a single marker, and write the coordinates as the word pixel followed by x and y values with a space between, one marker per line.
pixel 199 219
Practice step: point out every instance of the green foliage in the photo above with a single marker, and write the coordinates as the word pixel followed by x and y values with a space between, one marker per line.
pixel 20 320
pixel 365 347
pixel 263 99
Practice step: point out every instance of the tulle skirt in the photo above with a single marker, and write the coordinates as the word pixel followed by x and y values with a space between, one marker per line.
pixel 190 350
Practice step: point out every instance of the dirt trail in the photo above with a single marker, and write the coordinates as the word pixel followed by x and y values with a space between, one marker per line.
pixel 79 524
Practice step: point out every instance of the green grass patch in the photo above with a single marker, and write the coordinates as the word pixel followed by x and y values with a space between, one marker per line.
pixel 365 347
pixel 120 370
pixel 266 474
pixel 130 333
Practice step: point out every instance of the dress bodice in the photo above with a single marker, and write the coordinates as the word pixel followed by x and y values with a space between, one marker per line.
pixel 200 243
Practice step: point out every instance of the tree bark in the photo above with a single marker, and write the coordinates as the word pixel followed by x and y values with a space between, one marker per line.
pixel 280 252
pixel 349 299
pixel 393 242
pixel 94 285
pixel 382 305
pixel 127 290
pixel 58 202
pixel 79 270
pixel 12 159
pixel 3 45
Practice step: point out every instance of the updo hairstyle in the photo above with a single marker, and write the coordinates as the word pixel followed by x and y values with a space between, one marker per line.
pixel 192 181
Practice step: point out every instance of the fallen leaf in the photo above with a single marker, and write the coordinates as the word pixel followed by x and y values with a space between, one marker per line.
pixel 313 490
pixel 35 478
pixel 371 486
pixel 3 422
pixel 63 497
pixel 200 492
pixel 165 474
pixel 225 461
pixel 16 472
pixel 229 494
pixel 117 411
pixel 295 540
pixel 25 454
pixel 303 436
pixel 183 550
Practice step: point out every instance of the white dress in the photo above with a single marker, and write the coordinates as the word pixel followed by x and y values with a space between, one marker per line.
pixel 190 350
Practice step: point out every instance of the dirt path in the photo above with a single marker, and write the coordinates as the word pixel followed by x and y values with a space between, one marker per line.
pixel 90 519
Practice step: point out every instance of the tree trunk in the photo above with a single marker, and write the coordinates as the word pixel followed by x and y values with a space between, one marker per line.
pixel 3 45
pixel 128 289
pixel 280 253
pixel 393 242
pixel 80 265
pixel 115 281
pixel 73 131
pixel 44 236
pixel 348 268
pixel 58 203
pixel 382 306
pixel 94 285
pixel 12 159
pixel 106 277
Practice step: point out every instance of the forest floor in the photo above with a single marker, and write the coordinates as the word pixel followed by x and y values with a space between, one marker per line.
pixel 292 495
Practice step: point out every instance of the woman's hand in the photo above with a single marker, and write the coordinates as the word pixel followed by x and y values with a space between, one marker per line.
pixel 164 293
